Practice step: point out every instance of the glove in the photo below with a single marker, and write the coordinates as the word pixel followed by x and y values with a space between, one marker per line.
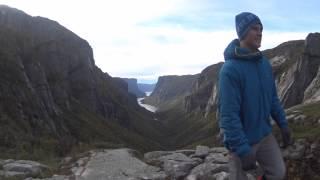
pixel 248 161
pixel 286 137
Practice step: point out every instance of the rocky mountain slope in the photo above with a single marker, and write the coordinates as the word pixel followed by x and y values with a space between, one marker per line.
pixel 54 97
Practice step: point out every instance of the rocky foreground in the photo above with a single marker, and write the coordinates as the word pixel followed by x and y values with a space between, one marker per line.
pixel 127 164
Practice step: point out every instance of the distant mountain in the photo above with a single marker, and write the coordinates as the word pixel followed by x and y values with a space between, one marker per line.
pixel 53 95
pixel 170 90
pixel 146 87
pixel 133 87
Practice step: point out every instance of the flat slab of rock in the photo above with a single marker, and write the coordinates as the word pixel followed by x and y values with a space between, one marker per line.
pixel 119 164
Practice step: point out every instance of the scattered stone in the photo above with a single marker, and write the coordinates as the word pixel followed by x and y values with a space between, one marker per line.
pixel 177 165
pixel 197 160
pixel 221 176
pixel 207 171
pixel 153 157
pixel 202 151
pixel 295 151
pixel 217 158
pixel 176 169
pixel 219 150
pixel 7 161
pixel 186 152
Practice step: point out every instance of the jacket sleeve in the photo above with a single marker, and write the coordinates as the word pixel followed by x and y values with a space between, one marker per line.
pixel 277 112
pixel 229 106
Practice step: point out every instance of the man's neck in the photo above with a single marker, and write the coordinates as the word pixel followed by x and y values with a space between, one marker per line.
pixel 244 45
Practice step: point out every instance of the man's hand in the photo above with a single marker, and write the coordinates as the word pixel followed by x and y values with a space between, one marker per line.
pixel 248 161
pixel 286 137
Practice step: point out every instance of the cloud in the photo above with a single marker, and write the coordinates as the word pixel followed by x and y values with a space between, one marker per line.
pixel 150 38
pixel 272 39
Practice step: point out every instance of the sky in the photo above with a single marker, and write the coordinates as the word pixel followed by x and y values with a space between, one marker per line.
pixel 145 39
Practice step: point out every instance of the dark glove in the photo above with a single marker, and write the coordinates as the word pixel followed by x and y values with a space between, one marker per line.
pixel 248 161
pixel 286 137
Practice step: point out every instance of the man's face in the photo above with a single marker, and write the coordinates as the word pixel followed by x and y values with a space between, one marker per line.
pixel 253 37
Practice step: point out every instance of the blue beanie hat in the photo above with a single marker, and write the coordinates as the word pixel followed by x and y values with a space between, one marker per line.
pixel 243 22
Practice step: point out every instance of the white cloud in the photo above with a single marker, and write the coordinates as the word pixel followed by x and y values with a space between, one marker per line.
pixel 124 48
pixel 272 39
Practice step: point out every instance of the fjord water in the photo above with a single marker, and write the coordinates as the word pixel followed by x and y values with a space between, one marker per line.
pixel 147 106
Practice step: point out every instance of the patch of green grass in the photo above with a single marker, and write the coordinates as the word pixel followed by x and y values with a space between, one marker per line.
pixel 309 128
pixel 310 132
pixel 187 130
pixel 311 110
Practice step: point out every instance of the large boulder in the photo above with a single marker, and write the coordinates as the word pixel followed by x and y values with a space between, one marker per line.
pixel 23 168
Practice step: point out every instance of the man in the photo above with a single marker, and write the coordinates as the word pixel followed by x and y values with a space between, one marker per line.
pixel 247 98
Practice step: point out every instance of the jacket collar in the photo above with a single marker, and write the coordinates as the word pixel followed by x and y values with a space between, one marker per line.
pixel 234 51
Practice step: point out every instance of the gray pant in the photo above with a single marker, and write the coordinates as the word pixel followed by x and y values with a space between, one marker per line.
pixel 269 158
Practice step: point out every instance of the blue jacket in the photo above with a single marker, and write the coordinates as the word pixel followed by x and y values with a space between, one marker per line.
pixel 247 98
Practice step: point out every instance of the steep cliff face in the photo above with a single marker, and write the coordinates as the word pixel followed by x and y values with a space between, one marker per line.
pixel 204 91
pixel 50 86
pixel 133 87
pixel 170 91
pixel 296 66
